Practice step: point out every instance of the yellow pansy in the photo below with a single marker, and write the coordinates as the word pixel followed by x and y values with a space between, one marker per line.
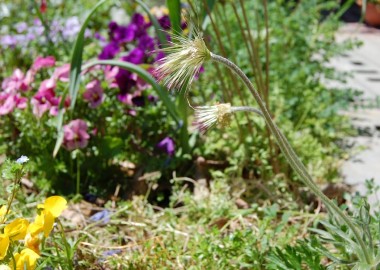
pixel 3 211
pixel 16 230
pixel 54 204
pixel 4 244
pixel 27 259
pixel 50 210
pixel 32 242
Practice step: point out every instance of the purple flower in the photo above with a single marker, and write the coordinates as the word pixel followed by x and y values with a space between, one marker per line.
pixel 93 93
pixel 124 34
pixel 164 22
pixel 21 27
pixel 136 56
pixel 167 145
pixel 75 135
pixel 103 216
pixel 139 101
pixel 112 26
pixel 8 41
pixel 146 43
pixel 109 51
pixel 125 81
pixel 141 26
pixel 71 28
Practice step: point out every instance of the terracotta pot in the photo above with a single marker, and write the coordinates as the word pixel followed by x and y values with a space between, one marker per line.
pixel 372 14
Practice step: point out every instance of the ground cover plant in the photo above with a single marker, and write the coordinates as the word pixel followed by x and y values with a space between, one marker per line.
pixel 95 123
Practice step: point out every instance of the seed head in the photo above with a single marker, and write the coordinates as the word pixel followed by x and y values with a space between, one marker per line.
pixel 183 61
pixel 208 116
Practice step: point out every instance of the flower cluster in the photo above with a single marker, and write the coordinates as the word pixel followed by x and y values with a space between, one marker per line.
pixel 31 234
pixel 40 89
pixel 14 89
pixel 59 30
pixel 140 45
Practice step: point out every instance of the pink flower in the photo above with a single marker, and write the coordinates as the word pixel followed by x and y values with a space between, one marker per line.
pixel 45 99
pixel 93 93
pixel 75 135
pixel 8 102
pixel 62 73
pixel 18 81
pixel 47 84
pixel 110 75
pixel 41 62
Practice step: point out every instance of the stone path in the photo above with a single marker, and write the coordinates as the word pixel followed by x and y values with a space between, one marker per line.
pixel 364 65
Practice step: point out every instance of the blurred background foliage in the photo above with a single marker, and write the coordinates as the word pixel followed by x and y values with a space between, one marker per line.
pixel 281 45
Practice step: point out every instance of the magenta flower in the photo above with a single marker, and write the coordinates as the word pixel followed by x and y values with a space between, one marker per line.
pixel 17 82
pixel 167 145
pixel 75 135
pixel 93 93
pixel 45 99
pixel 62 73
pixel 41 62
pixel 8 102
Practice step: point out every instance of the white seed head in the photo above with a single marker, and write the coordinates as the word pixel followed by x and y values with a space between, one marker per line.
pixel 208 116
pixel 183 62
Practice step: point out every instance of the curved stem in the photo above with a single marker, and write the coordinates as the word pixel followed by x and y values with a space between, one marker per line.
pixel 290 155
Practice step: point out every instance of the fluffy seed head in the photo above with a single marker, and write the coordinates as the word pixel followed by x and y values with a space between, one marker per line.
pixel 183 61
pixel 208 116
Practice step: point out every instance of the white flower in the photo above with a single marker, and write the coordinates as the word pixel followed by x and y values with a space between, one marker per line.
pixel 22 160
pixel 183 61
pixel 208 116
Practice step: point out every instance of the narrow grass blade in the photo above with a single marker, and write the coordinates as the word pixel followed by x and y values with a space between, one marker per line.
pixel 174 7
pixel 146 77
pixel 76 57
pixel 60 133
pixel 159 31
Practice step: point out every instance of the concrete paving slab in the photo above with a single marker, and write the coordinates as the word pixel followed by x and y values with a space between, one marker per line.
pixel 364 66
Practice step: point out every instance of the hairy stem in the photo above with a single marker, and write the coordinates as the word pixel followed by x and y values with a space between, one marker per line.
pixel 291 156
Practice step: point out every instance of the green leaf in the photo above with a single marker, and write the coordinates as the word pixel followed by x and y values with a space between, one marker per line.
pixel 60 133
pixel 76 57
pixel 174 7
pixel 143 74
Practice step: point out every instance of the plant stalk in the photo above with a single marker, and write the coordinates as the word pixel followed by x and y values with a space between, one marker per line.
pixel 290 155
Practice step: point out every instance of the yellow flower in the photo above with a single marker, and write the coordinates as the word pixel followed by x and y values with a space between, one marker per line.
pixel 3 211
pixel 16 230
pixel 33 242
pixel 4 244
pixel 27 259
pixel 51 209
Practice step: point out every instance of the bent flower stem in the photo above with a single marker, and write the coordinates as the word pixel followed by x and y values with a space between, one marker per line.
pixel 178 70
pixel 291 156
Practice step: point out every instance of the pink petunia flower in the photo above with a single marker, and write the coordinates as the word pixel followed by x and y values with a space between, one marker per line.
pixel 42 62
pixel 94 94
pixel 8 102
pixel 62 73
pixel 45 99
pixel 75 135
pixel 17 82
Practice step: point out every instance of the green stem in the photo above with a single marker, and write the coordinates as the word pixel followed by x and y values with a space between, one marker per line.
pixel 67 246
pixel 291 156
pixel 78 176
pixel 14 191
